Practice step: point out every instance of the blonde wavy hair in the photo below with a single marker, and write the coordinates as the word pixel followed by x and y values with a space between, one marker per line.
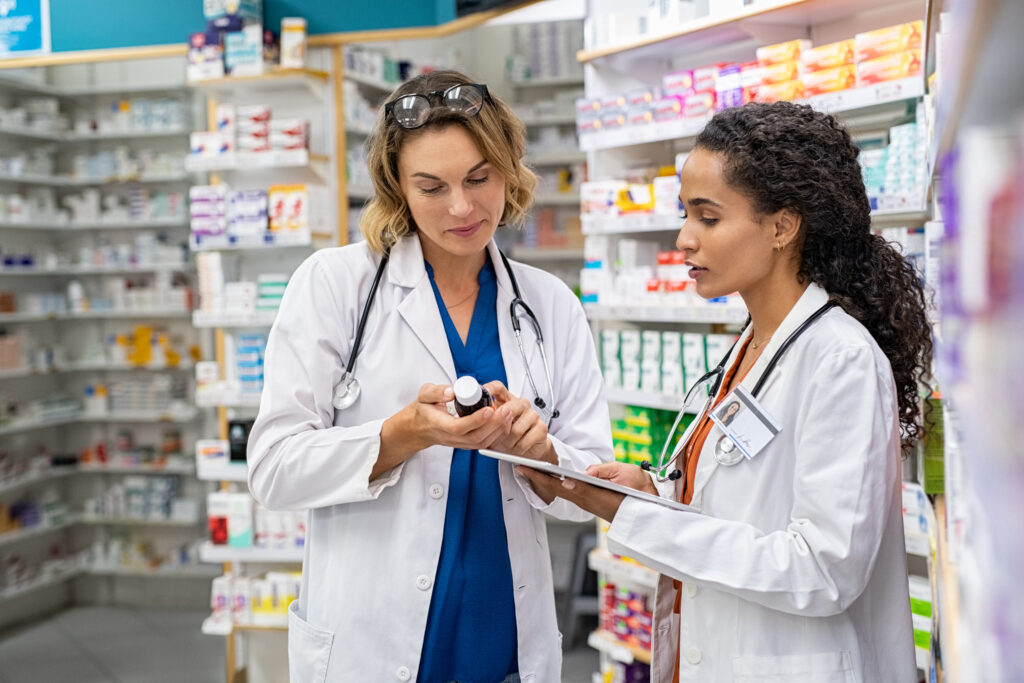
pixel 497 132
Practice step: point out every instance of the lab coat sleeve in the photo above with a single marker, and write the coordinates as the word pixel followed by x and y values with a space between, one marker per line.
pixel 297 458
pixel 581 434
pixel 846 469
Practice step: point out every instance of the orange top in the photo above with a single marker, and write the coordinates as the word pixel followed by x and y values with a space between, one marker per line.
pixel 693 450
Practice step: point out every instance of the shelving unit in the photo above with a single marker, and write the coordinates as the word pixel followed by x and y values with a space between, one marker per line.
pixel 78 332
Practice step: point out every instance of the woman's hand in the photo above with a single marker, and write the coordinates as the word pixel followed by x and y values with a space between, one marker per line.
pixel 627 475
pixel 528 436
pixel 595 500
pixel 426 422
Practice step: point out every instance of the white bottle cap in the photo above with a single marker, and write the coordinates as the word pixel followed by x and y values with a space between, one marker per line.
pixel 467 390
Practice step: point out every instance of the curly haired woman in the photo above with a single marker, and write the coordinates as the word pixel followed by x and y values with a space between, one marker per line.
pixel 795 570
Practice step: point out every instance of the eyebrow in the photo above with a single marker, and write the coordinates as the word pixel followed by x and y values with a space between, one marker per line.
pixel 701 201
pixel 421 174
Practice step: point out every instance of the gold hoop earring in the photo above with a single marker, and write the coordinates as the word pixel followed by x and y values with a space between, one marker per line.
pixel 779 246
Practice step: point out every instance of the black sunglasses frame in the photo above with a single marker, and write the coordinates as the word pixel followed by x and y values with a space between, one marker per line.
pixel 435 98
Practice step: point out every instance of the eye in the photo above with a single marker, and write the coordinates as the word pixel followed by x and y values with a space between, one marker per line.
pixel 429 191
pixel 708 221
pixel 683 216
pixel 478 181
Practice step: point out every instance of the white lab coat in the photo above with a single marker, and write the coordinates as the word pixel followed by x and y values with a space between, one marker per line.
pixel 796 570
pixel 373 547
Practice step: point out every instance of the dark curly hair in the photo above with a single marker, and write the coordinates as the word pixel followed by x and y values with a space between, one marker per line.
pixel 789 156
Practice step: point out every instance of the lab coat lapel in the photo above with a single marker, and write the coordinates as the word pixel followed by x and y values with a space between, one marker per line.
pixel 515 371
pixel 813 298
pixel 419 307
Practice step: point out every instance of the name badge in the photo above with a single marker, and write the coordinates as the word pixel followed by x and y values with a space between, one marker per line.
pixel 745 422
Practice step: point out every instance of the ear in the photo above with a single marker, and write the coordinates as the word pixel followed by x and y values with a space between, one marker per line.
pixel 787 227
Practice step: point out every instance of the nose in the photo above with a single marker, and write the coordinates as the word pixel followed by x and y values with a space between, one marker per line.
pixel 686 240
pixel 460 205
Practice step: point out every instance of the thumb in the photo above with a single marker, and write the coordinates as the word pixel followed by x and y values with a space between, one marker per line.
pixel 435 393
pixel 498 391
pixel 606 470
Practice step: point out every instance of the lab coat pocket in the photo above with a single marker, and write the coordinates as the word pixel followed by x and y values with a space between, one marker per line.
pixel 827 667
pixel 309 649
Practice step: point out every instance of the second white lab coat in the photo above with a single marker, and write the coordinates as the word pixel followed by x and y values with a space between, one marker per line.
pixel 796 570
pixel 373 547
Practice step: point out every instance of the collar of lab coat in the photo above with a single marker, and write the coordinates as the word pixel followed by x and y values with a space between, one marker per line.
pixel 813 298
pixel 419 310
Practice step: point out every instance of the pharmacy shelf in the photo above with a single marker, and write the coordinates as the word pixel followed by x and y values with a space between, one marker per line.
pixel 370 81
pixel 34 179
pixel 706 313
pixel 25 481
pixel 557 199
pixel 142 416
pixel 360 192
pixel 850 103
pixel 12 537
pixel 638 222
pixel 566 119
pixel 549 82
pixel 107 366
pixel 253 319
pixel 620 571
pixel 130 314
pixel 899 217
pixel 290 239
pixel 621 652
pixel 220 628
pixel 31 133
pixel 548 254
pixel 558 157
pixel 96 520
pixel 254 161
pixel 355 128
pixel 238 471
pixel 137 224
pixel 208 399
pixel 155 470
pixel 155 178
pixel 644 399
pixel 99 136
pixel 219 554
pixel 722 30
pixel 198 572
pixel 73 271
pixel 277 80
pixel 38 583
pixel 30 425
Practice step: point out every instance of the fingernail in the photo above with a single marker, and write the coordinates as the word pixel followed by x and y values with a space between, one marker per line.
pixel 505 412
pixel 568 484
pixel 449 394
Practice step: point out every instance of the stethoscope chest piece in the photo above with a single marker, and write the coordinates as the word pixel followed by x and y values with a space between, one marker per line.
pixel 346 392
pixel 726 452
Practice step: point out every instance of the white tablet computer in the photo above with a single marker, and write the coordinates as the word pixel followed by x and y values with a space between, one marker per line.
pixel 573 474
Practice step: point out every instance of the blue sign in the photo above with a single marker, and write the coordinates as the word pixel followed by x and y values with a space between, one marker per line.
pixel 24 28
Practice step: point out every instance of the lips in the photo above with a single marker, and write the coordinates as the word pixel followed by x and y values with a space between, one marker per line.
pixel 466 230
pixel 695 270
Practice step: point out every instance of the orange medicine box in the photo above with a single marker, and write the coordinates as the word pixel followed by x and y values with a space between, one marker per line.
pixel 775 92
pixel 829 80
pixel 889 68
pixel 827 56
pixel 779 73
pixel 885 41
pixel 781 52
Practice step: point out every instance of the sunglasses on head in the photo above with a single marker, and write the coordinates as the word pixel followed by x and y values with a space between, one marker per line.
pixel 412 111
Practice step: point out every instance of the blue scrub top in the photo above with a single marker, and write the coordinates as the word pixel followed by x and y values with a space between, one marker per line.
pixel 471 627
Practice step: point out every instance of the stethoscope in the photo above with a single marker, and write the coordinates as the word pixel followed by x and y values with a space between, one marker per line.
pixel 726 452
pixel 347 390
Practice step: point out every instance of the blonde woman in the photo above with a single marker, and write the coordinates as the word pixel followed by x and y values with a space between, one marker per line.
pixel 424 560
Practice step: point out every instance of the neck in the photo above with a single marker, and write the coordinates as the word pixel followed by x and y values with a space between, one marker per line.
pixel 770 303
pixel 453 272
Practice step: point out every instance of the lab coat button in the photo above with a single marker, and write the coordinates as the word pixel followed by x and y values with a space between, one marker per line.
pixel 423 582
pixel 436 491
pixel 692 654
pixel 691 590
pixel 403 673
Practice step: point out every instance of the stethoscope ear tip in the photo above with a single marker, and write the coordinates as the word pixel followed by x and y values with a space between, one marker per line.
pixel 675 474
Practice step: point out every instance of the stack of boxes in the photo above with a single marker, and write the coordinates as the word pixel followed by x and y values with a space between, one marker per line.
pixel 235 42
pixel 625 614
pixel 235 520
pixel 889 54
pixel 280 214
pixel 896 176
pixel 640 435
pixel 249 362
pixel 659 362
pixel 786 71
pixel 249 129
pixel 260 600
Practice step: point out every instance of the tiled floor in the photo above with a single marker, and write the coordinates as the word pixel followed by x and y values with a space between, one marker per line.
pixel 123 645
